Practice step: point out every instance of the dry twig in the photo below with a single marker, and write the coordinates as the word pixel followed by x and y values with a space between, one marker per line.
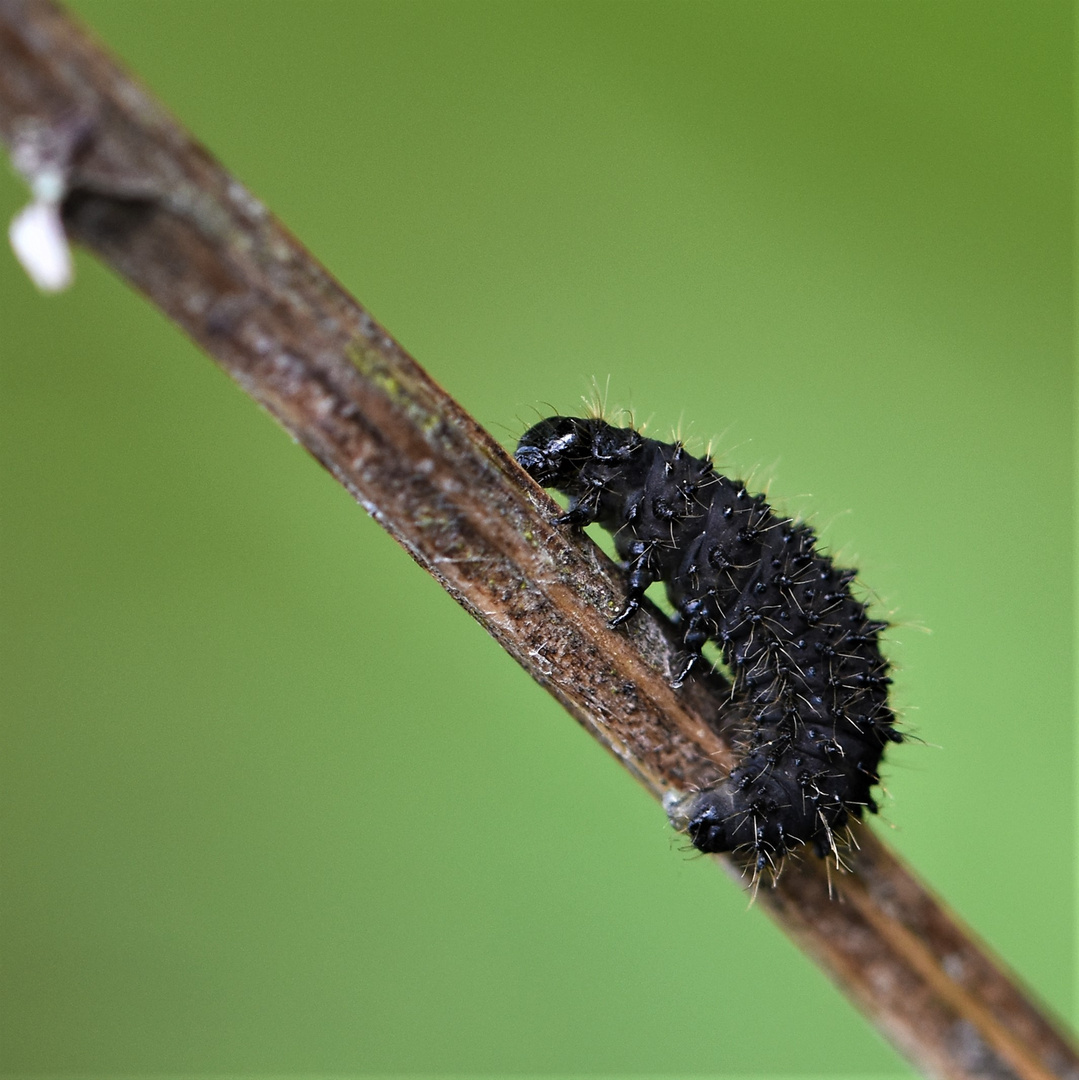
pixel 150 202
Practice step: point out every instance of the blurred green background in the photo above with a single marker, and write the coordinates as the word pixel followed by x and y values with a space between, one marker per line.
pixel 271 802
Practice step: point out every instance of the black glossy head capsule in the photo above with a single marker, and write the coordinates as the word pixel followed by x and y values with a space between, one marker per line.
pixel 553 451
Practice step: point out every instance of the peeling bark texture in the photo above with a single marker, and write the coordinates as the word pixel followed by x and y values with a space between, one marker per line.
pixel 155 206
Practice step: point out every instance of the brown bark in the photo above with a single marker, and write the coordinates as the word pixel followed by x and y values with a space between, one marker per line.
pixel 154 205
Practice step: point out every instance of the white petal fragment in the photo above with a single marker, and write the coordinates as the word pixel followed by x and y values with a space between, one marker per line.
pixel 38 240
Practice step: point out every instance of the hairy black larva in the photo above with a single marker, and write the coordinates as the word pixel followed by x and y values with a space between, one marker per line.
pixel 802 650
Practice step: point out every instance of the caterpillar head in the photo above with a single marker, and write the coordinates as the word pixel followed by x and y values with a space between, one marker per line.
pixel 556 451
pixel 553 451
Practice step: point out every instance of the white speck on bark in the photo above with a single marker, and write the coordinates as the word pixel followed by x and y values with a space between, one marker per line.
pixel 40 244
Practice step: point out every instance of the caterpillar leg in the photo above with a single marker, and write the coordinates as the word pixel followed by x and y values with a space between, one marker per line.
pixel 642 573
pixel 581 512
pixel 693 643
pixel 700 627
pixel 577 516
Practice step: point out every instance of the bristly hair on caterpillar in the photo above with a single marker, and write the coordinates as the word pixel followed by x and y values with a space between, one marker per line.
pixel 802 651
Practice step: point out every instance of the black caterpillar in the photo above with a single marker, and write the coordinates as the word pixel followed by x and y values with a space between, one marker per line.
pixel 802 651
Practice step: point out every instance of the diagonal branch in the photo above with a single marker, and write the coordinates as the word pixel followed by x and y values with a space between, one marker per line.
pixel 149 201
